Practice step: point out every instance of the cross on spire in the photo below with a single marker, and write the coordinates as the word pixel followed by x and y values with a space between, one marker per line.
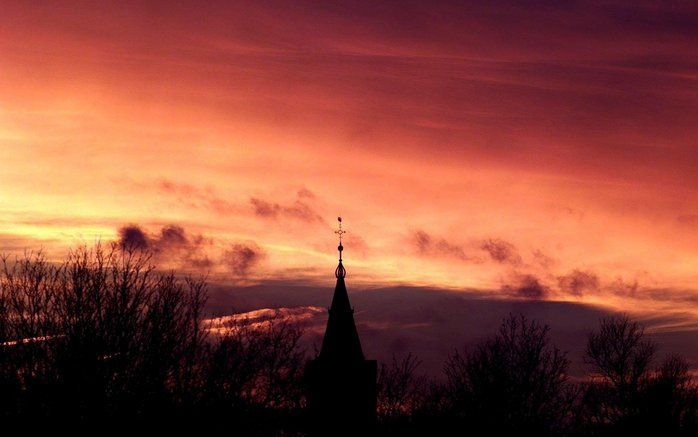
pixel 340 232
pixel 340 272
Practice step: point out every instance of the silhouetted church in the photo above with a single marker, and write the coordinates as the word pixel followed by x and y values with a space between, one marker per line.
pixel 341 383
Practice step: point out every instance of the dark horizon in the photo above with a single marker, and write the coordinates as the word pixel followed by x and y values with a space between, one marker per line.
pixel 398 320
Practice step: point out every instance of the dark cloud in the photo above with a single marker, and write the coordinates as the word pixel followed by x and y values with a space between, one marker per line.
pixel 300 209
pixel 526 286
pixel 624 288
pixel 171 244
pixel 354 243
pixel 543 260
pixel 133 237
pixel 177 188
pixel 427 245
pixel 191 249
pixel 241 258
pixel 207 198
pixel 577 282
pixel 265 209
pixel 174 245
pixel 423 241
pixel 305 193
pixel 196 197
pixel 173 236
pixel 501 251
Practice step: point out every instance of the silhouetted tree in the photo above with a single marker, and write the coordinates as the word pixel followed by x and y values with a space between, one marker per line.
pixel 26 292
pixel 513 382
pixel 99 335
pixel 253 371
pixel 670 399
pixel 409 404
pixel 105 336
pixel 626 396
pixel 620 358
pixel 401 390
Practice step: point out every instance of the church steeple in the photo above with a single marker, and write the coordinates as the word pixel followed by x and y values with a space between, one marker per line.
pixel 340 382
pixel 341 341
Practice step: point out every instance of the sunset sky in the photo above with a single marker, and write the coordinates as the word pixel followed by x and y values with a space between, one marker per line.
pixel 540 151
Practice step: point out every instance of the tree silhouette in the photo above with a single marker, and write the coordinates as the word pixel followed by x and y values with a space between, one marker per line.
pixel 513 382
pixel 104 337
pixel 102 334
pixel 626 395
pixel 401 390
pixel 256 364
pixel 670 401
pixel 252 374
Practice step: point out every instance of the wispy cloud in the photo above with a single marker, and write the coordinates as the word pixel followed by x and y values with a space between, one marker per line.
pixel 577 282
pixel 526 286
pixel 428 245
pixel 197 197
pixel 501 251
pixel 298 209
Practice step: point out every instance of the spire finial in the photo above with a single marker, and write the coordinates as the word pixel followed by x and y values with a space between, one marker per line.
pixel 340 272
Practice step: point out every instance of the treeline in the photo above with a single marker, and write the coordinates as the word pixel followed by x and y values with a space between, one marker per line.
pixel 106 338
pixel 516 383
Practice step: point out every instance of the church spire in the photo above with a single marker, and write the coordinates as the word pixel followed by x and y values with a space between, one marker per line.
pixel 341 383
pixel 341 339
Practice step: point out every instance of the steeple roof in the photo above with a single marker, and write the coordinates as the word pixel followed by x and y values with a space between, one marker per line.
pixel 341 340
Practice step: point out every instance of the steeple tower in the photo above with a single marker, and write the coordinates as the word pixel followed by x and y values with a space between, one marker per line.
pixel 341 383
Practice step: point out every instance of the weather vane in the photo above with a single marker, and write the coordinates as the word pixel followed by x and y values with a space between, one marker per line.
pixel 340 272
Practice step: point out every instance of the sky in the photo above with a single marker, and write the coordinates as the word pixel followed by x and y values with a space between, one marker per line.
pixel 537 151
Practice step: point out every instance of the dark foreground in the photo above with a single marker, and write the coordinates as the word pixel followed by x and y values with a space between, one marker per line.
pixel 104 341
